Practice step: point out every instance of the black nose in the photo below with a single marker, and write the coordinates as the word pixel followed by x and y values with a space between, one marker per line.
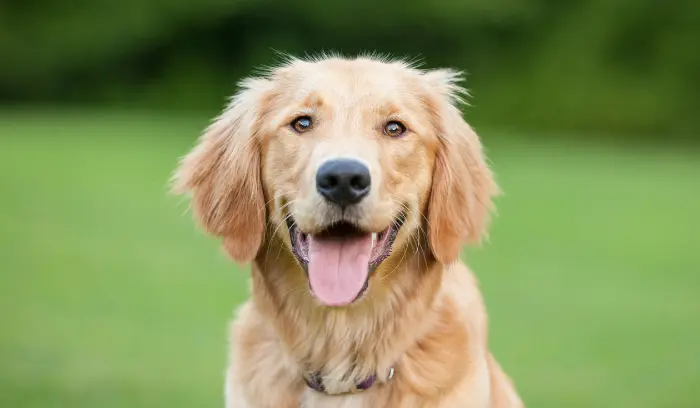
pixel 343 181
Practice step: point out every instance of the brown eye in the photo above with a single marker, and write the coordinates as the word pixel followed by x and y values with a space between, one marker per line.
pixel 301 124
pixel 394 129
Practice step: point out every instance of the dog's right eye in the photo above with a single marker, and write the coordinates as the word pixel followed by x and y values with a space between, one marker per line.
pixel 302 124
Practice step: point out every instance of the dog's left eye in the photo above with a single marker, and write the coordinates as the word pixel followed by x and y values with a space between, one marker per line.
pixel 302 124
pixel 394 129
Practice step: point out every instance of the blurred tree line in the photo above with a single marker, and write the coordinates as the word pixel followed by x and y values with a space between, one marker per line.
pixel 613 66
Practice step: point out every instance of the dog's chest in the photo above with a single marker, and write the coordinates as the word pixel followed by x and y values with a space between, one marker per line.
pixel 383 398
pixel 312 399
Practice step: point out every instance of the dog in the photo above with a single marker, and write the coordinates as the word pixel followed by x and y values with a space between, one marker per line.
pixel 351 186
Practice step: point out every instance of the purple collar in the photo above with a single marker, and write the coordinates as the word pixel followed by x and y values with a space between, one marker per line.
pixel 315 382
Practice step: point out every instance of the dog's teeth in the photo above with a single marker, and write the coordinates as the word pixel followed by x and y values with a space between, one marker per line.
pixel 374 238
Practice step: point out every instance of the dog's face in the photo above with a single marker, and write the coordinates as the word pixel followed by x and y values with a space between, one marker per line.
pixel 348 168
pixel 347 162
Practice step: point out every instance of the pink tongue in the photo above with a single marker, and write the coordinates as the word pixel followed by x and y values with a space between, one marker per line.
pixel 338 268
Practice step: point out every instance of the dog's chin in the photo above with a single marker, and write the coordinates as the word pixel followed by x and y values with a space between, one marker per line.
pixel 340 259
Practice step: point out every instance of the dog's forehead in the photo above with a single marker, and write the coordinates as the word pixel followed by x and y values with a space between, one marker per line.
pixel 349 82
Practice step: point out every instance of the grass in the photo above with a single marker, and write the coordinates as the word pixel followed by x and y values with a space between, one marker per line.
pixel 110 297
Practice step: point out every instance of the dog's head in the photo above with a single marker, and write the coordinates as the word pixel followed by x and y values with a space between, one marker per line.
pixel 347 162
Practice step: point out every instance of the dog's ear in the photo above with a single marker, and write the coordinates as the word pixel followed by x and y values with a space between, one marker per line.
pixel 463 185
pixel 223 174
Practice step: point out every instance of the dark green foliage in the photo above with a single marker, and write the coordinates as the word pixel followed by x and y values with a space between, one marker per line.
pixel 624 66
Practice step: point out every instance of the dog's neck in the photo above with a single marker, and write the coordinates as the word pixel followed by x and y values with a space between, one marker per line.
pixel 348 344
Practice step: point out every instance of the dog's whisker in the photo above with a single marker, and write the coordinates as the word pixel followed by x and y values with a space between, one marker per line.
pixel 418 237
pixel 286 294
pixel 284 219
pixel 414 238
pixel 403 257
pixel 274 233
pixel 281 209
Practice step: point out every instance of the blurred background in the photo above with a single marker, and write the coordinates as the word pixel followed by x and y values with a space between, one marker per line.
pixel 110 296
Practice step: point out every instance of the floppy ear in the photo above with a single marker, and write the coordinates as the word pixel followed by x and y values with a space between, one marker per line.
pixel 223 174
pixel 463 185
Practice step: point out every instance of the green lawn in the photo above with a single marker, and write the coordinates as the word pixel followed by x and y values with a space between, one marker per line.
pixel 109 296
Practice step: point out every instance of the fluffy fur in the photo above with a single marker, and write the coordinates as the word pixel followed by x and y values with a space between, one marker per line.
pixel 423 313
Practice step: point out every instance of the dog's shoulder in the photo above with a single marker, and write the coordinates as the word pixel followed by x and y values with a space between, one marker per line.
pixel 460 287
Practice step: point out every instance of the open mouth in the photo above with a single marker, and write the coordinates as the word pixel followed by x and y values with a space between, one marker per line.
pixel 340 259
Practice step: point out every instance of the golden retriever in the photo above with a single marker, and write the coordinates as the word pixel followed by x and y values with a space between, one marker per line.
pixel 351 186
